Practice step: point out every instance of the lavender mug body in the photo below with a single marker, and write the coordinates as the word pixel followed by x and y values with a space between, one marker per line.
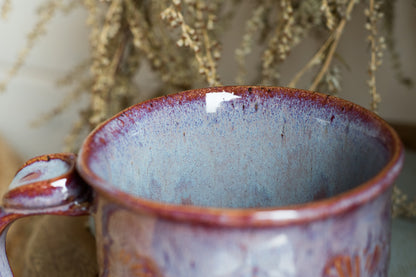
pixel 226 181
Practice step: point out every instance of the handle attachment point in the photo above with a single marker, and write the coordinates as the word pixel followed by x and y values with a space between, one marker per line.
pixel 47 184
pixel 44 182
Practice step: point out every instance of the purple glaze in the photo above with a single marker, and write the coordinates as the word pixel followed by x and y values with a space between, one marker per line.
pixel 46 184
pixel 39 171
pixel 238 181
pixel 134 244
pixel 252 182
pixel 263 149
pixel 45 181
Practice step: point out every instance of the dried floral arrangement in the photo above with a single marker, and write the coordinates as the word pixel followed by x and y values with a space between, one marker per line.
pixel 181 42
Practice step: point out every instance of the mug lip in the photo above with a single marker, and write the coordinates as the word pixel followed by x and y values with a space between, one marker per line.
pixel 253 217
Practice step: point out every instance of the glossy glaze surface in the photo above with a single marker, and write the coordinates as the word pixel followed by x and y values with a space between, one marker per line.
pixel 243 152
pixel 46 181
pixel 243 181
pixel 47 184
pixel 354 244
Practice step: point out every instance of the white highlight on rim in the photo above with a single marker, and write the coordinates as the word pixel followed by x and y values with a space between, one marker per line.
pixel 214 100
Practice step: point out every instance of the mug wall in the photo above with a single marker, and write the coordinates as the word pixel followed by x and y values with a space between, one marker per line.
pixel 354 243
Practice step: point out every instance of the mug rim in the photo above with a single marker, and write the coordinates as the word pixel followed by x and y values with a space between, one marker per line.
pixel 261 216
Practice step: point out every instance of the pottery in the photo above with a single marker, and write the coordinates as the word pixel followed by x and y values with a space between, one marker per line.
pixel 226 181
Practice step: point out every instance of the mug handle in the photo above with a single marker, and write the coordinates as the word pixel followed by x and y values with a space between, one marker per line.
pixel 47 184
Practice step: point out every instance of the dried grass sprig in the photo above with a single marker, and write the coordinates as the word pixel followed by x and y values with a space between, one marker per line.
pixel 315 60
pixel 337 36
pixel 183 50
pixel 377 45
pixel 196 38
pixel 154 43
pixel 106 59
pixel 279 45
pixel 401 206
pixel 329 16
pixel 331 83
pixel 325 54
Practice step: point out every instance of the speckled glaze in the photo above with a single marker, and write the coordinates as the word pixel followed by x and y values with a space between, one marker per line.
pixel 236 181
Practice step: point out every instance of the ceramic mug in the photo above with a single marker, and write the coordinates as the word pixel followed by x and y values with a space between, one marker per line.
pixel 226 181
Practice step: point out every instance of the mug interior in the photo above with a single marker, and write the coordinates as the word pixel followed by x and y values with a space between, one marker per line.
pixel 239 148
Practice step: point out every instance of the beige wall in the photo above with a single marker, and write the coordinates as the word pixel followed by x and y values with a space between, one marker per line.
pixel 33 91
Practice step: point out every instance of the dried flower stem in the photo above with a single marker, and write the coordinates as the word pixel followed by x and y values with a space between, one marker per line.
pixel 190 38
pixel 375 98
pixel 331 83
pixel 279 45
pixel 373 14
pixel 123 33
pixel 213 79
pixel 104 84
pixel 106 61
pixel 329 48
pixel 333 47
pixel 401 206
pixel 313 61
pixel 330 21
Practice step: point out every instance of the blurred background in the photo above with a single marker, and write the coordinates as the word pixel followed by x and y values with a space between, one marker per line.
pixel 33 92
